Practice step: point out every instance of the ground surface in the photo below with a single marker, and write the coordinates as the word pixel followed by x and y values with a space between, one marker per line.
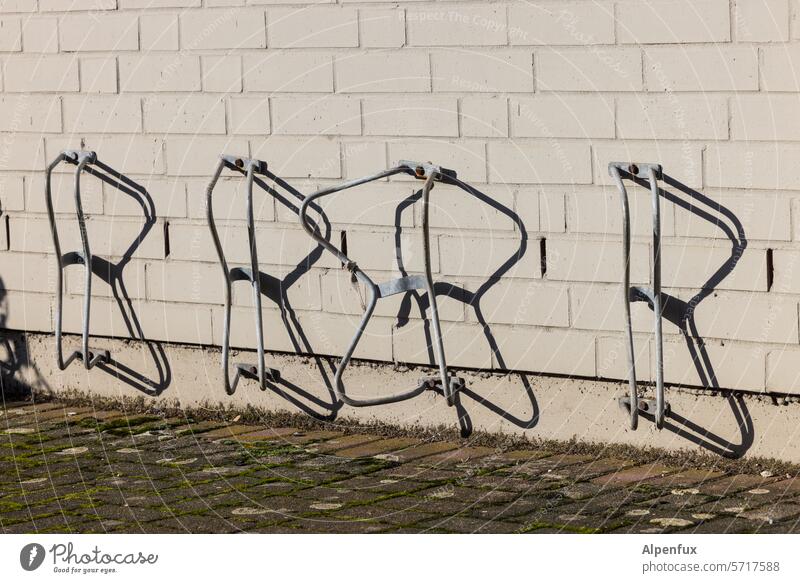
pixel 77 469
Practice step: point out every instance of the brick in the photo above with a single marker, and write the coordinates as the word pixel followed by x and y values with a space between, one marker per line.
pixel 276 245
pixel 617 69
pixel 484 117
pixel 378 72
pixel 27 273
pixel 747 317
pixel 222 74
pixel 313 27
pixel 673 21
pixel 157 73
pixel 787 271
pixel 99 32
pixel 331 116
pixel 23 152
pixel 468 256
pixel 28 312
pixel 289 72
pixel 701 69
pixel 185 282
pixel 62 188
pixel 464 344
pixel 681 161
pixel 565 23
pixel 483 73
pixel 596 261
pixel 376 251
pixel 69 5
pixel 10 35
pixel 382 28
pixel 160 3
pixel 223 29
pixel 126 154
pixel 584 116
pixel 673 116
pixel 775 62
pixel 18 6
pixel 612 358
pixel 713 267
pixel 735 366
pixel 230 200
pixel 363 158
pixel 31 75
pixel 160 322
pixel 376 204
pixel 300 157
pixel 108 238
pixel 40 35
pixel 132 276
pixel 761 216
pixel 302 293
pixel 193 157
pixel 249 115
pixel 539 162
pixel 411 116
pixel 12 193
pixel 529 303
pixel 466 157
pixel 765 117
pixel 457 26
pixel 752 165
pixel 599 307
pixel 159 32
pixel 102 114
pixel 455 209
pixel 99 75
pixel 599 211
pixel 30 113
pixel 761 20
pixel 168 197
pixel 549 210
pixel 548 351
pixel 196 114
pixel 783 375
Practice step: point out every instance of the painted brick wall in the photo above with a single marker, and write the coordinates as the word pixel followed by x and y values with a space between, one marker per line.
pixel 528 101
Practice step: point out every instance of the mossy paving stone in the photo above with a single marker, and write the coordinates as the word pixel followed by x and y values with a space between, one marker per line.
pixel 419 451
pixel 419 474
pixel 378 485
pixel 376 447
pixel 729 485
pixel 773 513
pixel 336 494
pixel 348 441
pixel 321 526
pixel 128 514
pixel 461 456
pixel 41 418
pixel 268 435
pixel 311 437
pixel 466 524
pixel 537 466
pixel 500 482
pixel 383 513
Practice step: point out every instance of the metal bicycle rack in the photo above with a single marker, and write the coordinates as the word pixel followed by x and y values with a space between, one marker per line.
pixel 643 174
pixel 248 167
pixel 82 160
pixel 447 384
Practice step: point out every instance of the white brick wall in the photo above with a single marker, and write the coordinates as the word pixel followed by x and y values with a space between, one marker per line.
pixel 527 100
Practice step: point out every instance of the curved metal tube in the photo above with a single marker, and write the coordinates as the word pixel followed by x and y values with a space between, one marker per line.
pixel 626 292
pixel 259 372
pixel 90 359
pixel 651 173
pixel 375 292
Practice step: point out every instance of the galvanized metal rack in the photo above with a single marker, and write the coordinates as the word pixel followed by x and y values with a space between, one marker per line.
pixel 646 175
pixel 444 382
pixel 82 160
pixel 249 168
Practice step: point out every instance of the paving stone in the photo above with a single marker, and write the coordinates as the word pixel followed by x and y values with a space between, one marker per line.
pixel 376 447
pixel 633 475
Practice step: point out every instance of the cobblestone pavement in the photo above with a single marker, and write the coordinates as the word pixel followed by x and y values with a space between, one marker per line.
pixel 72 469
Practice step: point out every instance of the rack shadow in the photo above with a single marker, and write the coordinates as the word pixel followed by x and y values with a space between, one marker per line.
pixel 681 313
pixel 114 275
pixel 473 300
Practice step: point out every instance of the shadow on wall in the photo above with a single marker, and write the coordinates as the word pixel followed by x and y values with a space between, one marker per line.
pixel 114 275
pixel 277 290
pixel 418 301
pixel 19 377
pixel 682 314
